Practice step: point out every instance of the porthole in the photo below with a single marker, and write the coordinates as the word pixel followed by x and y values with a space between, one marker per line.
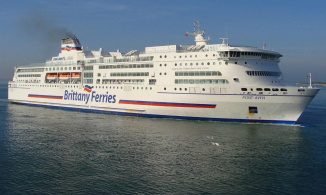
pixel 202 63
pixel 164 88
pixel 236 62
pixel 197 64
pixel 220 63
pixel 175 64
pixel 175 89
pixel 208 63
pixel 165 56
pixel 206 55
pixel 203 89
pixel 185 89
pixel 214 63
pixel 165 73
pixel 226 63
pixel 180 89
pixel 164 64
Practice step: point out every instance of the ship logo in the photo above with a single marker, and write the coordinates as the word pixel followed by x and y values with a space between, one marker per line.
pixel 88 88
pixel 68 48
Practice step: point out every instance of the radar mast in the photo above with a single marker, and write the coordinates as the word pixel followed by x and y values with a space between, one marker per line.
pixel 199 34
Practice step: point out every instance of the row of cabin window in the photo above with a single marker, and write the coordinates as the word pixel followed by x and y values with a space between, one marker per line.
pixel 113 87
pixel 29 81
pixel 237 54
pixel 62 68
pixel 186 56
pixel 29 75
pixel 119 81
pixel 31 70
pixel 129 74
pixel 263 73
pixel 201 81
pixel 38 85
pixel 198 73
pixel 126 66
pixel 127 59
pixel 265 89
pixel 186 64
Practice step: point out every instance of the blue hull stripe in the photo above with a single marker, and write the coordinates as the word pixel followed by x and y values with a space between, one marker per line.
pixel 163 116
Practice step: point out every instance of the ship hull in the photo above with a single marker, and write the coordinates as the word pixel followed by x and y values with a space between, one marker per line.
pixel 150 102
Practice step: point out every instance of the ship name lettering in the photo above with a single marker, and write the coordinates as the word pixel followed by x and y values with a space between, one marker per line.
pixel 253 97
pixel 89 97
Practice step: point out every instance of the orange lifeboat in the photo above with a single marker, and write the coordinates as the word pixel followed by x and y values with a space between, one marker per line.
pixel 51 76
pixel 75 75
pixel 64 76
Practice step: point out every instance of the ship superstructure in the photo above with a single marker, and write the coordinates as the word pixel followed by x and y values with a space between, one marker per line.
pixel 204 81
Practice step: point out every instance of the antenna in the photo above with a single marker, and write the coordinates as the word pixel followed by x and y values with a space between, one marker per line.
pixel 223 40
pixel 197 23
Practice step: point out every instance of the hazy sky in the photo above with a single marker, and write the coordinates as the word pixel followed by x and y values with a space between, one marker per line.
pixel 31 30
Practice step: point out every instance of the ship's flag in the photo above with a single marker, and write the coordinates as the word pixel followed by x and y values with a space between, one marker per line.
pixel 88 88
pixel 186 34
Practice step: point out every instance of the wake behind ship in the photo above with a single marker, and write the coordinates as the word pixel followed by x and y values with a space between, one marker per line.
pixel 218 82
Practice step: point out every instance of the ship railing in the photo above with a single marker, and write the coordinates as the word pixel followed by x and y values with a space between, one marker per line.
pixel 117 60
pixel 63 63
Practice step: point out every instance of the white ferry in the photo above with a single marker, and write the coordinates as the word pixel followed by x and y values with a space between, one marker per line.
pixel 217 82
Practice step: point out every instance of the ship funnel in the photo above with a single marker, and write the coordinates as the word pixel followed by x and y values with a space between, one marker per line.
pixel 70 44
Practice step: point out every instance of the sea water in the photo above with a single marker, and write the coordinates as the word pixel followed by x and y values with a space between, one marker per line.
pixel 51 151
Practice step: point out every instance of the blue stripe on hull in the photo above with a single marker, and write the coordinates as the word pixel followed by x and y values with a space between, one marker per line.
pixel 162 116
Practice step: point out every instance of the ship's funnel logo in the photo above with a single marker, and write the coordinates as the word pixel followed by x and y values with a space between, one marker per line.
pixel 68 48
pixel 88 88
